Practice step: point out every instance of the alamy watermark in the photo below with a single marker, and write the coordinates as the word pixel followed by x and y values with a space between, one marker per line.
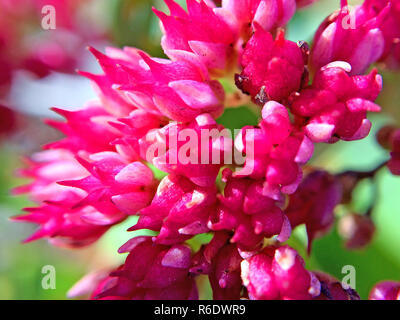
pixel 202 146
pixel 49 278
pixel 49 20
pixel 349 280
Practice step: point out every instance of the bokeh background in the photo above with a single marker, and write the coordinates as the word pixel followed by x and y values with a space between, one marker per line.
pixel 131 22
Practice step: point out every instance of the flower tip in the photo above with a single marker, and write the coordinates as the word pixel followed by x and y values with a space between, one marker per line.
pixel 338 64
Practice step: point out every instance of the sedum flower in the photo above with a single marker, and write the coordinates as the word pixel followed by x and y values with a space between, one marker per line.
pixel 220 260
pixel 248 213
pixel 196 150
pixel 179 210
pixel 278 273
pixel 335 106
pixel 201 33
pixel 77 138
pixel 179 90
pixel 65 225
pixel 280 149
pixel 267 14
pixel 114 183
pixel 159 274
pixel 158 117
pixel 345 26
pixel 271 69
pixel 390 28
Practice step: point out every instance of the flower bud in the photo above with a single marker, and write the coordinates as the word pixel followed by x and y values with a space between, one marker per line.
pixel 272 69
pixel 344 27
pixel 151 272
pixel 200 32
pixel 278 273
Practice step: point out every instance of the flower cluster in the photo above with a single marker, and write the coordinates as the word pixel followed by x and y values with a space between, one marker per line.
pixel 151 116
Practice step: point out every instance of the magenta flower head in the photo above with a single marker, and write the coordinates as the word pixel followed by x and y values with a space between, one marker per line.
pixel 161 273
pixel 46 168
pixel 385 290
pixel 114 183
pixel 63 224
pixel 313 203
pixel 179 210
pixel 268 14
pixel 75 130
pixel 280 149
pixel 390 28
pixel 335 106
pixel 278 273
pixel 133 130
pixel 196 150
pixel 201 33
pixel 272 69
pixel 363 31
pixel 250 214
pixel 180 90
pixel 219 205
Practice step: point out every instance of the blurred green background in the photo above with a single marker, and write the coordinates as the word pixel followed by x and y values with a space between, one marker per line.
pixel 133 23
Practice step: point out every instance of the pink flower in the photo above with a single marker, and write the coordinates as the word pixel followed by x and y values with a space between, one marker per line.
pixel 279 151
pixel 250 214
pixel 272 70
pixel 268 14
pixel 151 272
pixel 385 290
pixel 390 28
pixel 65 225
pixel 46 168
pixel 313 203
pixel 78 138
pixel 278 273
pixel 158 117
pixel 180 90
pixel 196 150
pixel 179 210
pixel 134 128
pixel 220 260
pixel 363 31
pixel 201 32
pixel 335 106
pixel 114 183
